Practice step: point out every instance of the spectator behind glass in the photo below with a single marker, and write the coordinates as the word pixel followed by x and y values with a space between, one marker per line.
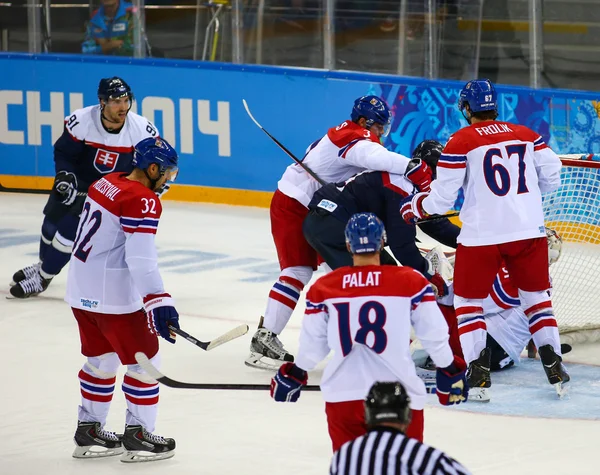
pixel 111 29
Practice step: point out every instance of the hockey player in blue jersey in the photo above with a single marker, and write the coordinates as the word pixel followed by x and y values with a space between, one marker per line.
pixel 379 193
pixel 96 140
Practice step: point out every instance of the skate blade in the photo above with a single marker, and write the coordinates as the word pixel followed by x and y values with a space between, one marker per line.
pixel 479 394
pixel 95 451
pixel 258 361
pixel 137 456
pixel 562 389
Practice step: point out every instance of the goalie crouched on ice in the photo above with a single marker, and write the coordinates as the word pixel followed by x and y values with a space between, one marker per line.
pixel 117 295
pixel 364 314
pixel 508 328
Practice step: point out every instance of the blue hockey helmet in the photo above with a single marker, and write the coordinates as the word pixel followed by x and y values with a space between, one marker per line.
pixel 113 88
pixel 374 110
pixel 480 94
pixel 156 150
pixel 365 233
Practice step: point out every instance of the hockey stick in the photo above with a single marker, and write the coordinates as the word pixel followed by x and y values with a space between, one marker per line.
pixel 282 147
pixel 149 368
pixel 154 373
pixel 437 217
pixel 212 344
pixel 33 191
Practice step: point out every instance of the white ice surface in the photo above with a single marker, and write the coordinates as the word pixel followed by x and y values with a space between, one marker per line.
pixel 218 262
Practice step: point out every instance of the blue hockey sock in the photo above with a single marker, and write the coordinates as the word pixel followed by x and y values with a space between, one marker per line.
pixel 59 251
pixel 48 232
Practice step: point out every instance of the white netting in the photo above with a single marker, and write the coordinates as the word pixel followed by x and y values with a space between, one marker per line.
pixel 574 212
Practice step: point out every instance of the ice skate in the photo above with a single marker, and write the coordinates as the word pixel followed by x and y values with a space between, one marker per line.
pixel 25 273
pixel 478 377
pixel 142 446
pixel 92 441
pixel 555 370
pixel 30 287
pixel 266 350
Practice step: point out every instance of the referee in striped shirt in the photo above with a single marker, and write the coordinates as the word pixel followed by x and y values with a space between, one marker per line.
pixel 385 450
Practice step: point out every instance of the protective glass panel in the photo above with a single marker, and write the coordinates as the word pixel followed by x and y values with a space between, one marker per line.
pixel 570 33
pixel 13 27
pixel 67 25
pixel 505 42
pixel 284 32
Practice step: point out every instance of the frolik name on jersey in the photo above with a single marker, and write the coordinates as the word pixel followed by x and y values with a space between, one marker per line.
pixel 107 189
pixel 357 279
pixel 493 129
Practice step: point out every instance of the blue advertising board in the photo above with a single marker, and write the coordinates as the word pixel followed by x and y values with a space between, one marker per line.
pixel 197 106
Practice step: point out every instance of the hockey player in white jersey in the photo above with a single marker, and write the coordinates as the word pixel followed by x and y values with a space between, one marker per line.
pixel 364 314
pixel 503 168
pixel 351 147
pixel 96 140
pixel 120 304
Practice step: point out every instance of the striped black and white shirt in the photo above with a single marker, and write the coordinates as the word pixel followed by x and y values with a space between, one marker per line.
pixel 387 451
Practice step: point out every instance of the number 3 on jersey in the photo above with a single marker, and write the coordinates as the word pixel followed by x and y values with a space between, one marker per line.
pixel 95 219
pixel 497 176
pixel 367 326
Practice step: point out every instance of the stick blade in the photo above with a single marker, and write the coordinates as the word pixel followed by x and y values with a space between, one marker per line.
pixel 230 335
pixel 147 366
pixel 250 113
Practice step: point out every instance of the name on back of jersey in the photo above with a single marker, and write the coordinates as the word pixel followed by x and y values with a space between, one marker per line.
pixel 106 188
pixel 358 279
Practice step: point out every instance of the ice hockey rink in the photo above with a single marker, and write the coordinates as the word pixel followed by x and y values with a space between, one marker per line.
pixel 219 263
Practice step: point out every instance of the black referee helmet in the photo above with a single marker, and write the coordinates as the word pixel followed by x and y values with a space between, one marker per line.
pixel 387 402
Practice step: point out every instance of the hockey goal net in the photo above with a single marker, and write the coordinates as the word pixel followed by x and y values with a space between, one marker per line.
pixel 574 212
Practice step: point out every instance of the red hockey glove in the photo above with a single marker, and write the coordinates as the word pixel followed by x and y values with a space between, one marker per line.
pixel 452 388
pixel 420 174
pixel 411 208
pixel 287 383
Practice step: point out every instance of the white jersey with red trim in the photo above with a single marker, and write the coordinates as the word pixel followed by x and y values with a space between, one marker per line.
pixel 503 168
pixel 344 151
pixel 89 151
pixel 114 260
pixel 364 315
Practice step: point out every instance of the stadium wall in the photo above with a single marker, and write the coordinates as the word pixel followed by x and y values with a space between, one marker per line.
pixel 225 158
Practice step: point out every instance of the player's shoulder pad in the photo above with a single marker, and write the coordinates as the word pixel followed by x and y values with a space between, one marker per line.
pixel 461 142
pixel 78 122
pixel 141 128
pixel 348 132
pixel 319 290
pixel 136 200
pixel 410 280
pixel 525 133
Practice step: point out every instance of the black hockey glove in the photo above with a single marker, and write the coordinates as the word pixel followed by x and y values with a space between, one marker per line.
pixel 65 185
